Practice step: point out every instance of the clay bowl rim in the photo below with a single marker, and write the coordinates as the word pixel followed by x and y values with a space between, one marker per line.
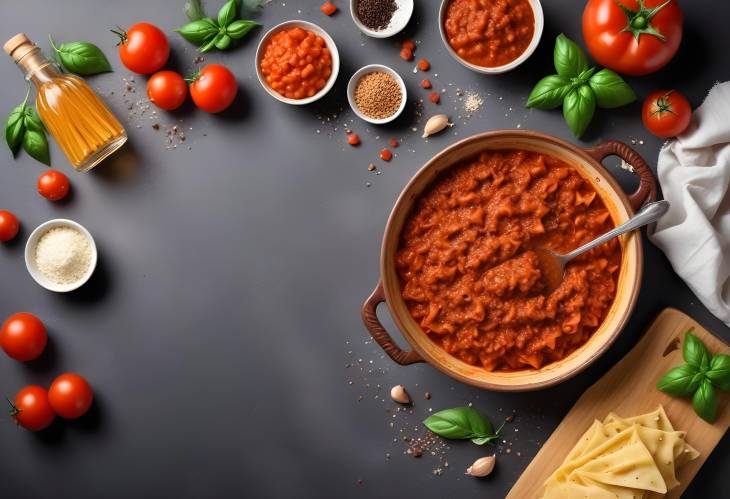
pixel 623 315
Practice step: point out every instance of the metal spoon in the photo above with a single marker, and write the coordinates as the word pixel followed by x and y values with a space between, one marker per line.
pixel 553 265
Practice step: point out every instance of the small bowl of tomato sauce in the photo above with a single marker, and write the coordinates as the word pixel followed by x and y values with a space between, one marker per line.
pixel 297 62
pixel 491 36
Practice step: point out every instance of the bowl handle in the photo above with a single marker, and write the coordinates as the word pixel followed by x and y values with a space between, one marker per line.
pixel 647 181
pixel 378 332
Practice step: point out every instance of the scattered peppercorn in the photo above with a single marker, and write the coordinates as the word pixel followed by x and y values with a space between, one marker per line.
pixel 409 44
pixel 510 418
pixel 328 8
pixel 427 395
pixel 424 65
pixel 155 126
pixel 372 167
pixel 394 142
pixel 416 452
pixel 376 14
pixel 434 97
pixel 386 155
pixel 426 83
pixel 353 139
pixel 406 54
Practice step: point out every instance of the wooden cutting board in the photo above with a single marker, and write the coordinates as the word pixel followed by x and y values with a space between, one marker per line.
pixel 628 389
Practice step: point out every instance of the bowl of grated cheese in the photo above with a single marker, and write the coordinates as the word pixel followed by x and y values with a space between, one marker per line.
pixel 60 255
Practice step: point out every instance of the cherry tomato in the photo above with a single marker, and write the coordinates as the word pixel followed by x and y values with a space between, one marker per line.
pixel 214 88
pixel 167 90
pixel 637 40
pixel 9 226
pixel 143 48
pixel 23 336
pixel 53 185
pixel 31 408
pixel 70 396
pixel 666 113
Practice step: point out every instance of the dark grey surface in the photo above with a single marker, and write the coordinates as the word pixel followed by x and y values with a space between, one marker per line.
pixel 217 328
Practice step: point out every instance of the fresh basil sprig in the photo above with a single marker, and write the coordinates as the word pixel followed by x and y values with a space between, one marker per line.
pixel 699 378
pixel 462 423
pixel 23 127
pixel 579 88
pixel 82 58
pixel 208 33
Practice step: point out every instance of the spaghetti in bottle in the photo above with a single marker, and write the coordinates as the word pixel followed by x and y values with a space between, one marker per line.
pixel 85 129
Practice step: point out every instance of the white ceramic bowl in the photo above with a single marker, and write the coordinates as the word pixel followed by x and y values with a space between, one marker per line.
pixel 399 21
pixel 536 35
pixel 372 68
pixel 309 27
pixel 30 253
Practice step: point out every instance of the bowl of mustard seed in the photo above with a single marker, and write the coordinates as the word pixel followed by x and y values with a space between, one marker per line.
pixel 376 94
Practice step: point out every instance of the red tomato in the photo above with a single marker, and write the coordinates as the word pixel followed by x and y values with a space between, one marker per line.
pixel 666 113
pixel 214 88
pixel 70 396
pixel 167 90
pixel 9 226
pixel 143 48
pixel 31 408
pixel 635 42
pixel 23 336
pixel 53 185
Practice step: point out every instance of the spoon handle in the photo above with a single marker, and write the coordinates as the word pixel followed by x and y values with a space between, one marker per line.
pixel 651 212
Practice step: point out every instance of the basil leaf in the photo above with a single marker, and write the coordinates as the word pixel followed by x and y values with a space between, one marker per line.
pixel 32 121
pixel 227 13
pixel 680 381
pixel 35 144
pixel 586 75
pixel 223 42
pixel 704 401
pixel 211 43
pixel 568 57
pixel 611 90
pixel 719 372
pixel 200 31
pixel 459 423
pixel 15 128
pixel 82 58
pixel 695 352
pixel 549 92
pixel 239 29
pixel 194 10
pixel 578 108
pixel 485 440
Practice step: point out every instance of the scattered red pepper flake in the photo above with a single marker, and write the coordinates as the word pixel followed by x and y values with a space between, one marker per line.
pixel 434 97
pixel 406 54
pixel 386 155
pixel 424 65
pixel 409 44
pixel 426 83
pixel 353 139
pixel 328 8
pixel 394 142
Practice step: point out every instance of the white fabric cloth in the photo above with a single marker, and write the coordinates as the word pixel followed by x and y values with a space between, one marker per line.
pixel 694 172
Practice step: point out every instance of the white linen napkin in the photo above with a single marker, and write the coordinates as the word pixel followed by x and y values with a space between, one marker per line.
pixel 694 172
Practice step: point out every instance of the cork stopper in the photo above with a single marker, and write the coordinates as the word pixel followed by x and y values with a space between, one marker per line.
pixel 19 46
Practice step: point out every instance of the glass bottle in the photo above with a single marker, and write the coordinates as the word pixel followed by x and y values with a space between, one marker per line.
pixel 73 113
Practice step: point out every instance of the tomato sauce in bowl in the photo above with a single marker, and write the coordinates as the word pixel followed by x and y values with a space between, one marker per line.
pixel 489 33
pixel 470 279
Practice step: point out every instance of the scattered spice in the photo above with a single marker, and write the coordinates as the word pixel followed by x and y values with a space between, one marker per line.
pixel 376 14
pixel 472 102
pixel 415 452
pixel 424 65
pixel 434 97
pixel 510 418
pixel 406 54
pixel 155 126
pixel 394 142
pixel 427 396
pixel 386 155
pixel 353 139
pixel 372 167
pixel 426 83
pixel 378 95
pixel 328 8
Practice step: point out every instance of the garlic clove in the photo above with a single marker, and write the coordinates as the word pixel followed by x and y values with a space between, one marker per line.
pixel 399 394
pixel 482 466
pixel 435 124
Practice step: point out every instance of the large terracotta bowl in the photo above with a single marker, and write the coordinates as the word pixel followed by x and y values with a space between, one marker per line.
pixel 621 206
